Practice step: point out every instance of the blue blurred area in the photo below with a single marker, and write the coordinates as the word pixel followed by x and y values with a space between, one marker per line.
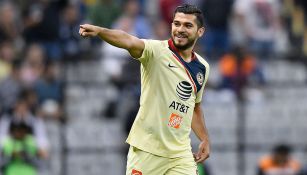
pixel 80 96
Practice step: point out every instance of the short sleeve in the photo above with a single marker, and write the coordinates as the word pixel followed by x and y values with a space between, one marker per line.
pixel 199 95
pixel 148 52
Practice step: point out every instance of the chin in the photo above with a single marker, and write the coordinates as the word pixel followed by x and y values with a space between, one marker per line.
pixel 180 44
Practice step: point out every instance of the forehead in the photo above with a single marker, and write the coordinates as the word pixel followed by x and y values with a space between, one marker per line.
pixel 185 18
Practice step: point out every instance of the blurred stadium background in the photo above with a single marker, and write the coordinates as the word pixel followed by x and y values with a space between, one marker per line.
pixel 86 92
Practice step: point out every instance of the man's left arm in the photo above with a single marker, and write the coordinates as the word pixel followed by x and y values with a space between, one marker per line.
pixel 199 128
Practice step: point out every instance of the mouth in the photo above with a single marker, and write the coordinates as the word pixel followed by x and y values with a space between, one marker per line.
pixel 180 36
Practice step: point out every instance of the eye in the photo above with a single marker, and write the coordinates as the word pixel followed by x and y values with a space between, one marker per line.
pixel 177 24
pixel 189 26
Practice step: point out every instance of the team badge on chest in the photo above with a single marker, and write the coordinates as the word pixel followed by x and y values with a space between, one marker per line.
pixel 200 78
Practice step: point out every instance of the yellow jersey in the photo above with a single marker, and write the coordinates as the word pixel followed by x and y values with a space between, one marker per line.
pixel 170 87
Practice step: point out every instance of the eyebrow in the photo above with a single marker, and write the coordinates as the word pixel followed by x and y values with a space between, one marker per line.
pixel 183 22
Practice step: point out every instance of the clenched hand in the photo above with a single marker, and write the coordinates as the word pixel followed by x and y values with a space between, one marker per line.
pixel 87 30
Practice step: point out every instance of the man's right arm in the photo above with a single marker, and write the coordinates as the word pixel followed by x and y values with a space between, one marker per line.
pixel 117 38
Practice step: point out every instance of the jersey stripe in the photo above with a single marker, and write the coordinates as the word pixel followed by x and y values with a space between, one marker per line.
pixel 189 75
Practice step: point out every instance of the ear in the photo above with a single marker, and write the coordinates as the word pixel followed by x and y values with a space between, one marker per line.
pixel 201 31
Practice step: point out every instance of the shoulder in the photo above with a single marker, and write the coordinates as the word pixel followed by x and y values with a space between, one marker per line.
pixel 265 162
pixel 295 164
pixel 155 43
pixel 202 60
pixel 7 141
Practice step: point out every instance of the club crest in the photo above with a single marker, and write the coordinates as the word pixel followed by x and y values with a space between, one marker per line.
pixel 200 78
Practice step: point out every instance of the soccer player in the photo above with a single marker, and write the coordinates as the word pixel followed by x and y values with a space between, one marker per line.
pixel 173 78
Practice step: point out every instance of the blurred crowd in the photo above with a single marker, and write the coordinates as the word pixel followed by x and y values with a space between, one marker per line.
pixel 279 162
pixel 38 37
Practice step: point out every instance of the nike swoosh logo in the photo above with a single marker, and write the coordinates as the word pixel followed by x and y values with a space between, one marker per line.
pixel 171 66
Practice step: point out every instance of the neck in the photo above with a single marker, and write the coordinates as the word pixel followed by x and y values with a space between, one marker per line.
pixel 186 54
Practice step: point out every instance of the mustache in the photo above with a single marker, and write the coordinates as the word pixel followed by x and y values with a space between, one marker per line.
pixel 181 34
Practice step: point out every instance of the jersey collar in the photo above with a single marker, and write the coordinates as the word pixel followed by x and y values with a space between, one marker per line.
pixel 173 48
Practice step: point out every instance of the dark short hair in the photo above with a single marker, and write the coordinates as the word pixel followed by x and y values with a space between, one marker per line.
pixel 191 9
pixel 19 125
pixel 282 149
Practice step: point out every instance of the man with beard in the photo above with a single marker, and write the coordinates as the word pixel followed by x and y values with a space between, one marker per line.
pixel 173 78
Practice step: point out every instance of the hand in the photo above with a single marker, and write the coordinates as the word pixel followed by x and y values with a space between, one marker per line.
pixel 87 30
pixel 203 152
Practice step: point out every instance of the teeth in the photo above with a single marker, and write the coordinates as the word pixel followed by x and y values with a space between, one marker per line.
pixel 180 36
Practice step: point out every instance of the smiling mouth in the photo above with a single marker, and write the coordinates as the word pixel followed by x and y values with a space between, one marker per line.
pixel 181 36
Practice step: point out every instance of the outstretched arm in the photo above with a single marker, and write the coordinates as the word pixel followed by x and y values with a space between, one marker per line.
pixel 199 128
pixel 117 38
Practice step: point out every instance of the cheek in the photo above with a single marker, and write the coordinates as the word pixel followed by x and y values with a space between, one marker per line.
pixel 173 29
pixel 193 34
pixel 173 33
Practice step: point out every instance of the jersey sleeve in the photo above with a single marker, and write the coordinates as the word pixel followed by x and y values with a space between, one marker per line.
pixel 199 95
pixel 147 52
pixel 150 51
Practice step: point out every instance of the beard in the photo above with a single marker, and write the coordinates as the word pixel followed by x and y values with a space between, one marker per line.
pixel 189 44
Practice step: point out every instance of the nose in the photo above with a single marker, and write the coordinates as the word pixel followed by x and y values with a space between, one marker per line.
pixel 181 28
